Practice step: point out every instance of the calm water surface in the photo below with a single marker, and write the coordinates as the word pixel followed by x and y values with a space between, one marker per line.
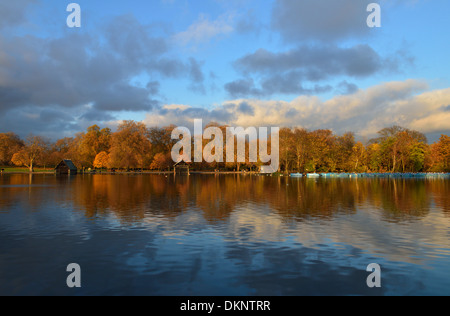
pixel 223 235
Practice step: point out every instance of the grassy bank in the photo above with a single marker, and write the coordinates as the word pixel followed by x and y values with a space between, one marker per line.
pixel 26 170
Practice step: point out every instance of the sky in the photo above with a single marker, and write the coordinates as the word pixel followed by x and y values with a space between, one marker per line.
pixel 288 63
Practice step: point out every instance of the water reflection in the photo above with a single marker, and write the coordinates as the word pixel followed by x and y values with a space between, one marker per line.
pixel 223 235
pixel 130 198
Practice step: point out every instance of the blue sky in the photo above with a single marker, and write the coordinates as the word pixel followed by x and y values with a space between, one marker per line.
pixel 312 64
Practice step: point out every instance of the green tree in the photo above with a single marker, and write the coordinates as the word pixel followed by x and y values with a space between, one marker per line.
pixel 396 145
pixel 417 156
pixel 374 157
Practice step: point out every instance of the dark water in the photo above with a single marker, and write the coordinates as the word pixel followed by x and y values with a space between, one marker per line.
pixel 223 235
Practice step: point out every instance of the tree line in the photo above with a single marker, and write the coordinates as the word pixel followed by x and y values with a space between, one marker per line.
pixel 135 146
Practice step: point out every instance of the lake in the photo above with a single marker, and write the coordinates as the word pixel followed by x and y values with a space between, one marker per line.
pixel 223 235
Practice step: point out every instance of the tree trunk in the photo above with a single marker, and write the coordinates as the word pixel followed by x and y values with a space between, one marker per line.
pixel 394 163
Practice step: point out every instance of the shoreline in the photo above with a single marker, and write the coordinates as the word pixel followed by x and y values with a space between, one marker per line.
pixel 290 175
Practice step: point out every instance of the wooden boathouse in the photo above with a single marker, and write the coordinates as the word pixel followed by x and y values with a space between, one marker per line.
pixel 181 168
pixel 66 167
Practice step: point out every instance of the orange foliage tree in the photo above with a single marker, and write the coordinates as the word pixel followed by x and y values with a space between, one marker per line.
pixel 34 149
pixel 161 161
pixel 130 146
pixel 10 143
pixel 101 160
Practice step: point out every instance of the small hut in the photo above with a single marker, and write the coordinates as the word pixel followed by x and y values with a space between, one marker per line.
pixel 181 168
pixel 66 167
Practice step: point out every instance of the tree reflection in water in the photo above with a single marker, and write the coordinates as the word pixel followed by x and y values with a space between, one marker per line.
pixel 132 198
pixel 224 234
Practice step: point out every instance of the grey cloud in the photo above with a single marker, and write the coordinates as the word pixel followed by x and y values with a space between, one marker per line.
pixel 293 71
pixel 95 69
pixel 195 71
pixel 153 87
pixel 291 113
pixel 315 62
pixel 97 116
pixel 242 88
pixel 49 116
pixel 131 40
pixel 246 108
pixel 289 83
pixel 167 67
pixel 11 98
pixel 12 12
pixel 124 97
pixel 346 88
pixel 60 72
pixel 194 112
pixel 248 23
pixel 31 120
pixel 323 20
pixel 220 115
pixel 196 76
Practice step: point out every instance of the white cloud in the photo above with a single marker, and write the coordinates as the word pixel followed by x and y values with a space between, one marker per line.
pixel 203 30
pixel 365 112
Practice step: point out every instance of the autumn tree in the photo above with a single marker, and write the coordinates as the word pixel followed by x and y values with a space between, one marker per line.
pixel 444 151
pixel 344 146
pixel 161 139
pixel 374 157
pixel 287 153
pixel 93 142
pixel 300 148
pixel 59 150
pixel 161 161
pixel 358 158
pixel 211 152
pixel 101 160
pixel 10 143
pixel 130 147
pixel 238 143
pixel 319 147
pixel 33 151
pixel 439 155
